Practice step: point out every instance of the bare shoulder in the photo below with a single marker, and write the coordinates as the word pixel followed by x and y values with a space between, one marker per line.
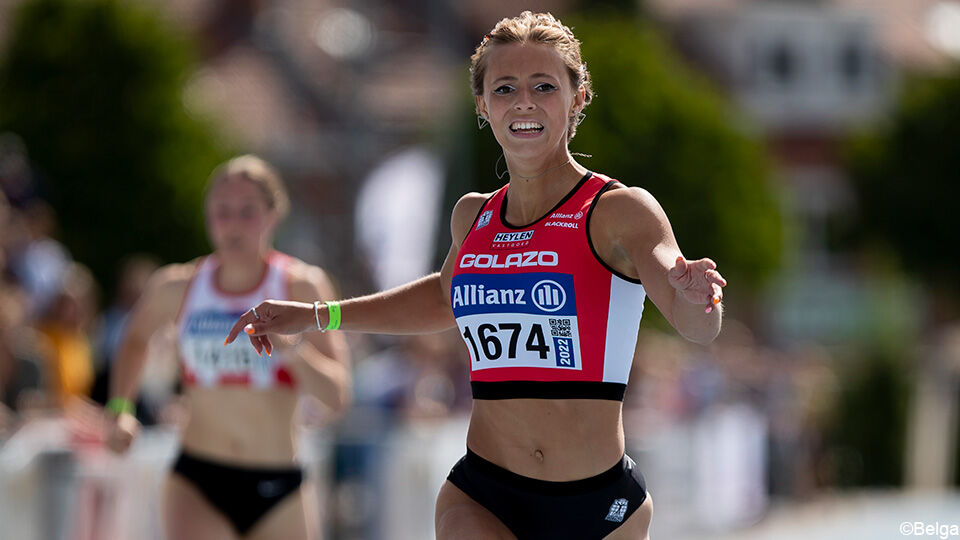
pixel 173 279
pixel 465 213
pixel 308 281
pixel 165 292
pixel 628 209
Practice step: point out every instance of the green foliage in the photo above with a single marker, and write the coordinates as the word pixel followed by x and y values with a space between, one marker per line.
pixel 94 87
pixel 656 125
pixel 906 175
pixel 867 434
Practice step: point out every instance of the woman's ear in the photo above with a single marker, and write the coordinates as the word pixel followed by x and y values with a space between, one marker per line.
pixel 578 101
pixel 482 107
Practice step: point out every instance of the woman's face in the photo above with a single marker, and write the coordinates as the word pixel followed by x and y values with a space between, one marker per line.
pixel 239 221
pixel 527 98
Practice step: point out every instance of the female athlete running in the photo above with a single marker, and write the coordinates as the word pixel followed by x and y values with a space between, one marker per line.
pixel 236 475
pixel 546 280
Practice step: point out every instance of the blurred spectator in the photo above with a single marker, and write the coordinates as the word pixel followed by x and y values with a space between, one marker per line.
pixel 21 359
pixel 423 376
pixel 66 323
pixel 5 219
pixel 16 178
pixel 134 273
pixel 38 262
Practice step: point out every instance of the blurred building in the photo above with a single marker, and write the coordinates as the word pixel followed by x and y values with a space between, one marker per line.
pixel 327 90
pixel 807 74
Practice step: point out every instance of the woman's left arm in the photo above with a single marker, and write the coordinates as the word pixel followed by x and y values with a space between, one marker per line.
pixel 687 292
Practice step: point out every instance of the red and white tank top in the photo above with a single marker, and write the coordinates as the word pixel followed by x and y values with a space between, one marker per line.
pixel 205 319
pixel 542 316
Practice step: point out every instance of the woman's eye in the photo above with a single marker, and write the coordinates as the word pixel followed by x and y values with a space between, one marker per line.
pixel 545 87
pixel 505 89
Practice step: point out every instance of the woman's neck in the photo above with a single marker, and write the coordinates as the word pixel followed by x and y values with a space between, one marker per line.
pixel 535 187
pixel 240 274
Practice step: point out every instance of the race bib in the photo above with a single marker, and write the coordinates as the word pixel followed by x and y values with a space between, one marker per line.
pixel 517 320
pixel 201 345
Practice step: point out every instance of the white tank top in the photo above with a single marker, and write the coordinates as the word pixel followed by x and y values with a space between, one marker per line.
pixel 205 318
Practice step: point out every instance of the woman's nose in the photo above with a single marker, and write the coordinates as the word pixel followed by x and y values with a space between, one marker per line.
pixel 524 101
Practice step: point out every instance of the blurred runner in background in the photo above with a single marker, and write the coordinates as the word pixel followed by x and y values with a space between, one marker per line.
pixel 236 475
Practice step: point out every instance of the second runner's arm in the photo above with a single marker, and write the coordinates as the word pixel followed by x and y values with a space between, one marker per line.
pixel 156 308
pixel 321 362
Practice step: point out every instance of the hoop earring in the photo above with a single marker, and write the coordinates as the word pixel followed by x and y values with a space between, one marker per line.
pixel 481 122
pixel 581 116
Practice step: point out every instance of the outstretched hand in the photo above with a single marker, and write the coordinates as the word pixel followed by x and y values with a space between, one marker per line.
pixel 698 281
pixel 275 317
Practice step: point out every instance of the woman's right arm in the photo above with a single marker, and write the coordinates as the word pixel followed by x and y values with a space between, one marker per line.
pixel 157 307
pixel 418 307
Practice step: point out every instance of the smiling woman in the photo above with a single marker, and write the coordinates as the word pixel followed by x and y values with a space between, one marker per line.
pixel 545 279
pixel 542 28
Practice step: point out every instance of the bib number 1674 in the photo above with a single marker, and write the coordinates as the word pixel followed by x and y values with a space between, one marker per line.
pixel 495 340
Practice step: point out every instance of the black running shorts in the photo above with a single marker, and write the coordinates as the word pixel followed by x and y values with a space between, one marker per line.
pixel 587 509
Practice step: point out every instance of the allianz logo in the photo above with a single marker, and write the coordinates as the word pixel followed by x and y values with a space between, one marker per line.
pixel 559 215
pixel 518 260
pixel 547 295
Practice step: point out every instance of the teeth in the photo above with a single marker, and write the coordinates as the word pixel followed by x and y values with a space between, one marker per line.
pixel 516 126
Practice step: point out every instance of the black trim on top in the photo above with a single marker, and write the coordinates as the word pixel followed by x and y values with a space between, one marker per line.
pixel 548 390
pixel 503 205
pixel 547 487
pixel 590 240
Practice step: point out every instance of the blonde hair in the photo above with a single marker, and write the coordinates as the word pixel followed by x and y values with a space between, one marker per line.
pixel 254 169
pixel 541 28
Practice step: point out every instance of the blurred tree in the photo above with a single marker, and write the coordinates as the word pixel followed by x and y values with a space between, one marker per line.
pixel 94 87
pixel 655 124
pixel 868 432
pixel 905 174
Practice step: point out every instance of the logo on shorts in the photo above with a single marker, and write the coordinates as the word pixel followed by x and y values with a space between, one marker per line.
pixel 269 488
pixel 617 510
pixel 484 219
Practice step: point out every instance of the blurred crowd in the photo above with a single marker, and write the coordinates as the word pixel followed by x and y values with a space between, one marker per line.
pixel 59 329
pixel 57 342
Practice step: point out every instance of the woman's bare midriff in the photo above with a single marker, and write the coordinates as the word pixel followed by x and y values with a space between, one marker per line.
pixel 555 440
pixel 240 426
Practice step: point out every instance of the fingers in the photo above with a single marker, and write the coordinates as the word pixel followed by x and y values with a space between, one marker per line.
pixel 714 298
pixel 255 341
pixel 255 329
pixel 714 277
pixel 679 268
pixel 261 343
pixel 241 324
pixel 704 264
pixel 123 431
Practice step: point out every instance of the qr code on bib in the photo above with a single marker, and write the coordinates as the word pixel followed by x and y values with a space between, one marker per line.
pixel 560 328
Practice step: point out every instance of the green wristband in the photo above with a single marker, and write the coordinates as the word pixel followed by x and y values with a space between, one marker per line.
pixel 119 405
pixel 333 311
